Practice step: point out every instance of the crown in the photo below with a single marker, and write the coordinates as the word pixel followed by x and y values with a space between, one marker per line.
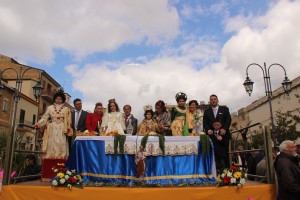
pixel 111 101
pixel 180 95
pixel 147 107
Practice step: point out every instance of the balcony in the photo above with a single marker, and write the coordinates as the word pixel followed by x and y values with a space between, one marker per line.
pixel 48 94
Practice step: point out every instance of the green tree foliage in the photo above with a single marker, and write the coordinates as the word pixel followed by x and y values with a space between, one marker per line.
pixel 285 126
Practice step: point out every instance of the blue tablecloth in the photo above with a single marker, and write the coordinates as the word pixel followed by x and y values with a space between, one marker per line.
pixel 90 161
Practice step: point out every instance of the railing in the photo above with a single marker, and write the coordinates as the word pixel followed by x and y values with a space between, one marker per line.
pixel 22 162
pixel 270 177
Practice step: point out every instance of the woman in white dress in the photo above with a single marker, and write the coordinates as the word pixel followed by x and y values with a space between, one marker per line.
pixel 57 122
pixel 113 120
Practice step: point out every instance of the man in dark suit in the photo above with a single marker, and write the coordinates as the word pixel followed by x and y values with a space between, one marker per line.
pixel 78 119
pixel 129 118
pixel 222 114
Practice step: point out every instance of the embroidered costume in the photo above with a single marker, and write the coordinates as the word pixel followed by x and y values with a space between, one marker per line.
pixel 178 116
pixel 148 126
pixel 114 121
pixel 57 122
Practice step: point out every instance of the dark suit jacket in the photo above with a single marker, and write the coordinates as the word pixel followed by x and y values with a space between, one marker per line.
pixel 81 122
pixel 223 115
pixel 134 123
pixel 219 146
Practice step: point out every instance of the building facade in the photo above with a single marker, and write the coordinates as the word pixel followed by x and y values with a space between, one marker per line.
pixel 259 110
pixel 29 109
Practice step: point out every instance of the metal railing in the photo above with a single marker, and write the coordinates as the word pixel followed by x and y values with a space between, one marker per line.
pixel 270 177
pixel 22 163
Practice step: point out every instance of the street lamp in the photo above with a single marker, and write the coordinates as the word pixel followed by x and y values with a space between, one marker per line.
pixel 37 89
pixel 287 85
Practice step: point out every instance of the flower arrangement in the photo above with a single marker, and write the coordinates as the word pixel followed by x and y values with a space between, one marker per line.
pixel 65 177
pixel 236 176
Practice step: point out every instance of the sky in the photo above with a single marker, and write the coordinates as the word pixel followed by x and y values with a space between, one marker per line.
pixel 142 51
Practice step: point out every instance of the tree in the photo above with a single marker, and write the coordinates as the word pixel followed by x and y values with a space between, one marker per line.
pixel 285 127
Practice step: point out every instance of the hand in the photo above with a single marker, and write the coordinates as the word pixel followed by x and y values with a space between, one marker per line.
pixel 210 132
pixel 36 126
pixel 223 132
pixel 219 137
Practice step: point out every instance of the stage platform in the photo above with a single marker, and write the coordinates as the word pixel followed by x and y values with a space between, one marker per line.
pixel 37 191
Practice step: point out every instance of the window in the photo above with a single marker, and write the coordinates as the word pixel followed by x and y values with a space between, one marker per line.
pixel 5 105
pixel 48 87
pixel 22 116
pixel 33 119
pixel 44 107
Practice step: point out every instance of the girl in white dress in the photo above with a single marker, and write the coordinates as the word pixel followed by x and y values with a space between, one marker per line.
pixel 113 120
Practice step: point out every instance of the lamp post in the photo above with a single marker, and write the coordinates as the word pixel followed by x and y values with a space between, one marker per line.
pixel 11 139
pixel 287 84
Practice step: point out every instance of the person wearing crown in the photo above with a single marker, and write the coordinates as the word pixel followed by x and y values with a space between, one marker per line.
pixel 148 125
pixel 113 120
pixel 57 123
pixel 178 115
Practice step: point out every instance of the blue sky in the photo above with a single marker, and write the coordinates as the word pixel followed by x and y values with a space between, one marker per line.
pixel 140 51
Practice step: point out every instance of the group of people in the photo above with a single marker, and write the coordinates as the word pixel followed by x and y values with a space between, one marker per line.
pixel 215 121
pixel 60 122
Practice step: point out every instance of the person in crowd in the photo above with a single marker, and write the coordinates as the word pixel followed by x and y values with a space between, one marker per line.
pixel 93 120
pixel 78 117
pixel 148 125
pixel 178 116
pixel 130 120
pixel 219 146
pixel 190 113
pixel 163 118
pixel 113 120
pixel 31 168
pixel 57 120
pixel 222 113
pixel 288 171
pixel 297 146
pixel 261 170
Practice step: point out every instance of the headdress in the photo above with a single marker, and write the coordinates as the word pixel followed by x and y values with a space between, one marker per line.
pixel 180 95
pixel 147 107
pixel 60 93
pixel 111 101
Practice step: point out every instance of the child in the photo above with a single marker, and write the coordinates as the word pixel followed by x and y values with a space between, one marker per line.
pixel 219 146
pixel 178 114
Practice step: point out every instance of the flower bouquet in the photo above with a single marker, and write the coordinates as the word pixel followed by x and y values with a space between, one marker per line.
pixel 236 176
pixel 65 177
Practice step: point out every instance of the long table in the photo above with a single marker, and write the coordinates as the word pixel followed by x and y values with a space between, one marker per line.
pixel 91 158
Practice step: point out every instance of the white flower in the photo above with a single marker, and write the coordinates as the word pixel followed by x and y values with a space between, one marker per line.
pixel 62 181
pixel 66 177
pixel 239 185
pixel 242 181
pixel 54 182
pixel 223 175
pixel 69 186
pixel 55 170
pixel 68 172
pixel 246 175
pixel 233 180
pixel 229 174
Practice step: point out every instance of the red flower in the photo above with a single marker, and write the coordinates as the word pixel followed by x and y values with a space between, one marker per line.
pixel 62 169
pixel 234 168
pixel 226 179
pixel 72 180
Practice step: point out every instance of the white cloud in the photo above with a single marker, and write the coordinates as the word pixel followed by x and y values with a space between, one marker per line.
pixel 34 28
pixel 270 38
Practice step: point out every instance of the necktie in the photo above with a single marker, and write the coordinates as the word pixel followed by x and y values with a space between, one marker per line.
pixel 76 119
pixel 216 133
pixel 215 112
